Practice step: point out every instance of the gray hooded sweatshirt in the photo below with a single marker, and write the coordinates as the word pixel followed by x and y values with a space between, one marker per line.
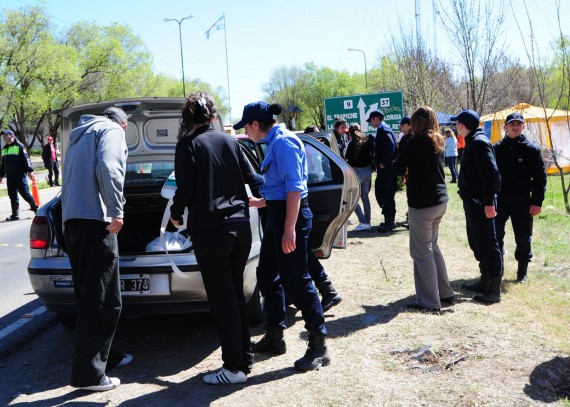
pixel 94 170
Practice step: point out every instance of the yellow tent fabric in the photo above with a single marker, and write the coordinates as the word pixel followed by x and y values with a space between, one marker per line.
pixel 535 119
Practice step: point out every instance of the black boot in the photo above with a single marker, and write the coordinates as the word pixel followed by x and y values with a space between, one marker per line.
pixel 493 294
pixel 521 272
pixel 330 296
pixel 481 286
pixel 15 213
pixel 316 355
pixel 388 225
pixel 271 342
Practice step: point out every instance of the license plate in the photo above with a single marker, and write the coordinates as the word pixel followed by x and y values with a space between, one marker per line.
pixel 135 284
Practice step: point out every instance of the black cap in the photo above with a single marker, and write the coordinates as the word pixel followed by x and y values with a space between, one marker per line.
pixel 514 117
pixel 405 120
pixel 469 118
pixel 375 113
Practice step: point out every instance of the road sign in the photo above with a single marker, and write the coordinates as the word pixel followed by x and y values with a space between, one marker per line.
pixel 355 109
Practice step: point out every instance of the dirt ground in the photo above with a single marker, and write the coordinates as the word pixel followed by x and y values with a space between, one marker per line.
pixel 382 355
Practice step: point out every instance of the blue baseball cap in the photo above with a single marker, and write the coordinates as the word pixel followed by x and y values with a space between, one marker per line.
pixel 514 117
pixel 7 133
pixel 375 113
pixel 469 118
pixel 254 111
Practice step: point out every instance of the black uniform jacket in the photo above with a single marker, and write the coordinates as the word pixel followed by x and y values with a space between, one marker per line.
pixel 211 172
pixel 522 168
pixel 15 160
pixel 479 177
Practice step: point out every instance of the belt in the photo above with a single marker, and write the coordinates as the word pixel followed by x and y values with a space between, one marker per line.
pixel 282 204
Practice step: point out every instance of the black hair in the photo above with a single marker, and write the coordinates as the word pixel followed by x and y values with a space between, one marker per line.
pixel 275 109
pixel 312 129
pixel 199 108
pixel 339 122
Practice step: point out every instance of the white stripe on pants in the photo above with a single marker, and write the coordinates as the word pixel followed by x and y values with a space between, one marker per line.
pixel 430 272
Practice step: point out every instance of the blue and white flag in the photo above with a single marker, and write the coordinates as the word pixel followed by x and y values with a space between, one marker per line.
pixel 218 25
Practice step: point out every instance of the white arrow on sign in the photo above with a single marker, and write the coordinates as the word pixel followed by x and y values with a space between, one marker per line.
pixel 363 114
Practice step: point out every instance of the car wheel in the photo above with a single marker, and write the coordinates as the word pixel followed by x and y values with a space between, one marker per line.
pixel 67 320
pixel 255 308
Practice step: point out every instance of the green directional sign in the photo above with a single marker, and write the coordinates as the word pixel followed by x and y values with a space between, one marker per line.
pixel 355 109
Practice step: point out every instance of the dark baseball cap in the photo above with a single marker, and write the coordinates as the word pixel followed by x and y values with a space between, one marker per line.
pixel 375 113
pixel 469 118
pixel 7 132
pixel 514 117
pixel 254 111
pixel 405 120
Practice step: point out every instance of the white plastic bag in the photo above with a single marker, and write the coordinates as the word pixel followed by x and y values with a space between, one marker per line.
pixel 173 241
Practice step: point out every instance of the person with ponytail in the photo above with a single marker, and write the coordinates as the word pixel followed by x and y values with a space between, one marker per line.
pixel 423 159
pixel 211 172
pixel 283 256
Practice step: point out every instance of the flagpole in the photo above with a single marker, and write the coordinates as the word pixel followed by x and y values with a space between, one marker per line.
pixel 227 67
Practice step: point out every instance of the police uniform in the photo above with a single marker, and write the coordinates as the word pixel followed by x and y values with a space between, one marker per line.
pixel 386 181
pixel 15 165
pixel 285 170
pixel 523 180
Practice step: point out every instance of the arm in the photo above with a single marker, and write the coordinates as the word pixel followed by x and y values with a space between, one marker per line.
pixel 488 171
pixel 111 168
pixel 184 168
pixel 293 204
pixel 538 183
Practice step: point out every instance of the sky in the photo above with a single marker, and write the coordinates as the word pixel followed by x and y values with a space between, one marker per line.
pixel 264 35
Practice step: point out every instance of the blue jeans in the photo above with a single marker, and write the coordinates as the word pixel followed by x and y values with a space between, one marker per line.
pixel 452 164
pixel 279 272
pixel 365 177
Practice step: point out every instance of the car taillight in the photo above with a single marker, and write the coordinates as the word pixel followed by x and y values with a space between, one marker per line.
pixel 39 233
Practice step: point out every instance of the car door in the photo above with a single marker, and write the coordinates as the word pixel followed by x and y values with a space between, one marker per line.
pixel 334 191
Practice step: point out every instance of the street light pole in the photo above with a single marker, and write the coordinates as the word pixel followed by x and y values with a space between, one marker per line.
pixel 365 74
pixel 181 53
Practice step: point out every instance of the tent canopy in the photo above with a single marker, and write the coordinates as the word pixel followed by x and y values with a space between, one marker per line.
pixel 536 129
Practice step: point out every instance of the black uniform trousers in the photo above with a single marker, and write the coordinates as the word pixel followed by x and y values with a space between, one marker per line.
pixel 93 254
pixel 18 183
pixel 53 170
pixel 483 239
pixel 385 191
pixel 222 255
pixel 517 208
pixel 279 272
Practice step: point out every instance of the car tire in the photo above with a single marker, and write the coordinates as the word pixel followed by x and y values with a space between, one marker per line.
pixel 255 308
pixel 67 320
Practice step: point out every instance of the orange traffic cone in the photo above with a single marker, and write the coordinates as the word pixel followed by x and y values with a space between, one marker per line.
pixel 35 191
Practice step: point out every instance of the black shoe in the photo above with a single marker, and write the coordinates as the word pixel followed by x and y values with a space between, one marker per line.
pixel 420 308
pixel 479 286
pixel 330 300
pixel 448 300
pixel 34 209
pixel 272 342
pixel 387 227
pixel 492 295
pixel 521 279
pixel 12 217
pixel 57 184
pixel 316 355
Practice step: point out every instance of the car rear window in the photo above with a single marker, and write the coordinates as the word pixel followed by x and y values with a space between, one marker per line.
pixel 148 174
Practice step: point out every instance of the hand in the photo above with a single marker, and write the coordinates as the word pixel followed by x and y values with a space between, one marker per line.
pixel 1 180
pixel 288 242
pixel 115 226
pixel 534 210
pixel 174 222
pixel 257 202
pixel 31 175
pixel 381 166
pixel 490 211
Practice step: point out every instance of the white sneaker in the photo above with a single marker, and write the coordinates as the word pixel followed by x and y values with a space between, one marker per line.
pixel 224 376
pixel 107 383
pixel 361 227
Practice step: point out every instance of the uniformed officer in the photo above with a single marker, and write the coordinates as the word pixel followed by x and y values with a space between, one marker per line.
pixel 479 183
pixel 16 166
pixel 523 180
pixel 283 256
pixel 386 180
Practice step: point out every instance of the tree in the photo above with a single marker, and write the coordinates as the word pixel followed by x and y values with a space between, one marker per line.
pixel 477 30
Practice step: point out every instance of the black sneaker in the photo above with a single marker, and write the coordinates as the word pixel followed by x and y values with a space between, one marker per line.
pixel 12 217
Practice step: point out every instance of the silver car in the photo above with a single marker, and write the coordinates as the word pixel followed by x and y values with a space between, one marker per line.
pixel 148 283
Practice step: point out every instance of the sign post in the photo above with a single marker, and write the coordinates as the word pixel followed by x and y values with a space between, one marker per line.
pixel 355 109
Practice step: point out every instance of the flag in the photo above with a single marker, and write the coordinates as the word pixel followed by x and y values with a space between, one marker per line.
pixel 218 25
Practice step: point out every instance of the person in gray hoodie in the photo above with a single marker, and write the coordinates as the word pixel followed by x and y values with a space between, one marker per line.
pixel 92 213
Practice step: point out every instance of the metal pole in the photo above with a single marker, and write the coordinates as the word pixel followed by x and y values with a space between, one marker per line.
pixel 227 67
pixel 365 71
pixel 181 51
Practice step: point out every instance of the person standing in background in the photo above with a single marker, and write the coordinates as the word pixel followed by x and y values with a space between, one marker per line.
pixel 523 185
pixel 423 161
pixel 339 129
pixel 49 156
pixel 451 153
